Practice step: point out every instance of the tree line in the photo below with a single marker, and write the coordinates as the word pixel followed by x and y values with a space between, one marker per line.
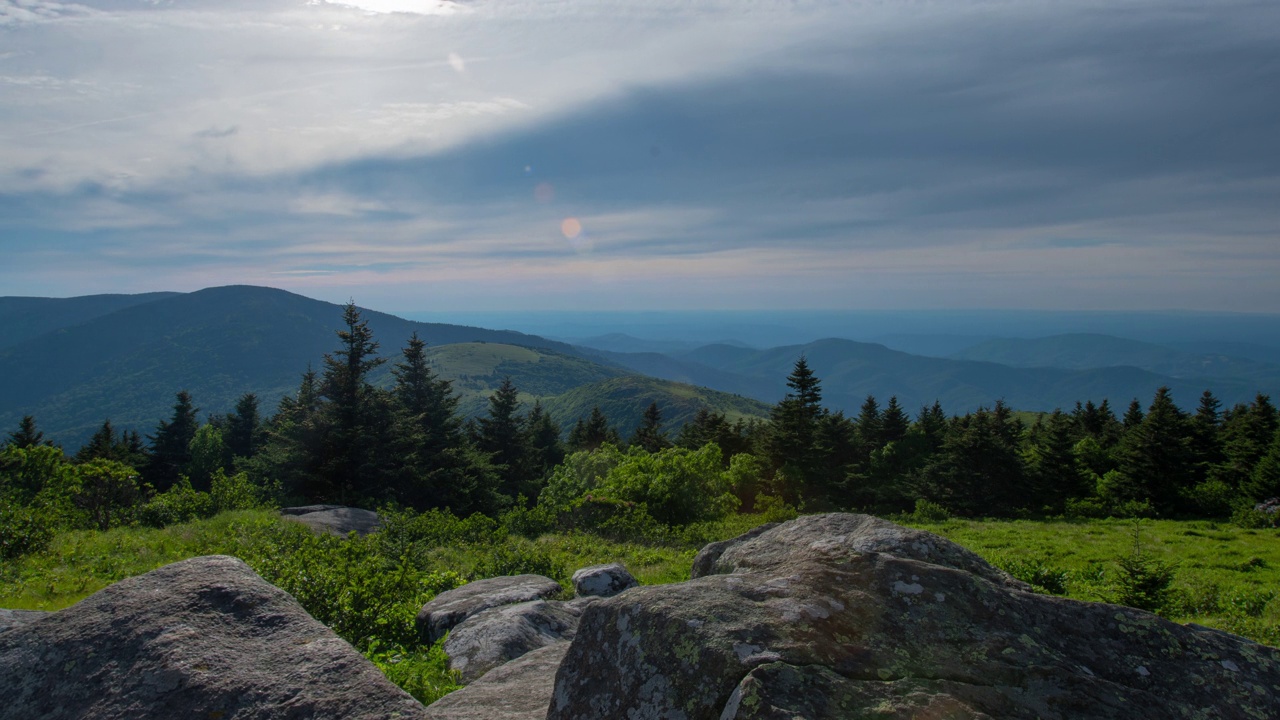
pixel 341 439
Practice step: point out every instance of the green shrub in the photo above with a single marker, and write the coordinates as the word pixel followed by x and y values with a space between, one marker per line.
pixel 106 492
pixel 1142 582
pixel 236 492
pixel 423 673
pixel 528 522
pixel 1036 573
pixel 23 530
pixel 1249 518
pixel 179 504
pixel 928 511
pixel 518 557
pixel 774 509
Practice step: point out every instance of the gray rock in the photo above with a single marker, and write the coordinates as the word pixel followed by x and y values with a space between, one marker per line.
pixel 203 638
pixel 518 690
pixel 500 634
pixel 448 609
pixel 335 519
pixel 849 616
pixel 704 562
pixel 602 580
pixel 14 618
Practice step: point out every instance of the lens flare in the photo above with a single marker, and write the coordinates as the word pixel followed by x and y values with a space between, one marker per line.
pixel 571 228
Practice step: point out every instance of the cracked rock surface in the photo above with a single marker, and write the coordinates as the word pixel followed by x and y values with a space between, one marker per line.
pixel 837 616
pixel 202 638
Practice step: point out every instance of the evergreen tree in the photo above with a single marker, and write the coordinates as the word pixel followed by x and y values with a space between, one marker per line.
pixel 591 433
pixel 1155 457
pixel 102 445
pixel 358 418
pixel 1133 416
pixel 1246 434
pixel 650 435
pixel 501 434
pixel 978 470
pixel 243 428
pixel 544 441
pixel 170 446
pixel 1053 469
pixel 1264 482
pixel 870 427
pixel 713 427
pixel 1206 441
pixel 27 435
pixel 792 446
pixel 292 451
pixel 894 422
pixel 840 453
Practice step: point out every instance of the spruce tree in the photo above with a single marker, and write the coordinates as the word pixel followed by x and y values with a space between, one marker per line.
pixel 170 445
pixel 1264 482
pixel 1155 456
pixel 501 434
pixel 1053 469
pixel 27 435
pixel 1133 416
pixel 243 428
pixel 792 444
pixel 1206 442
pixel 1246 434
pixel 544 442
pixel 354 465
pixel 591 433
pixel 649 435
pixel 894 422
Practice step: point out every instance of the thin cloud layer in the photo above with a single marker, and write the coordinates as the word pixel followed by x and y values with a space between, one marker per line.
pixel 588 154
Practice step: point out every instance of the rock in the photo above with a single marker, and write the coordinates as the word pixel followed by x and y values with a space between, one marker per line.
pixel 14 618
pixel 500 634
pixel 602 580
pixel 1270 506
pixel 518 690
pixel 450 608
pixel 335 519
pixel 203 638
pixel 835 616
pixel 704 562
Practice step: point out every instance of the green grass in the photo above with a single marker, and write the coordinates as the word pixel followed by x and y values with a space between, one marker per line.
pixel 1224 576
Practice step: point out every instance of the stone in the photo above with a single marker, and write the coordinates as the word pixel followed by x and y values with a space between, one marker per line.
pixel 14 618
pixel 448 609
pixel 518 690
pixel 500 634
pixel 202 638
pixel 833 616
pixel 335 519
pixel 602 580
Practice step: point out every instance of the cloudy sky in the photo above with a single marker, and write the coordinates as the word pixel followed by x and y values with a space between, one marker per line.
pixel 647 154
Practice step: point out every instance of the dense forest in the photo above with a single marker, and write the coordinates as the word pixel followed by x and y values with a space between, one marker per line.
pixel 341 439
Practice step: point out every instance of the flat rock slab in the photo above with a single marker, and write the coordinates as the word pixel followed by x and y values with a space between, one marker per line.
pixel 202 638
pixel 835 616
pixel 450 608
pixel 308 509
pixel 501 634
pixel 602 580
pixel 335 519
pixel 14 618
pixel 518 690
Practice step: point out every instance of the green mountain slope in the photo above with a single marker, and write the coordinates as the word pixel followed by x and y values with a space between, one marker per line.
pixel 26 317
pixel 217 343
pixel 624 399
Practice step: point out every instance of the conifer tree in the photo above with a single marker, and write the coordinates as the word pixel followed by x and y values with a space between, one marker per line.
pixel 1206 442
pixel 894 422
pixel 27 435
pixel 1154 456
pixel 544 441
pixel 1246 434
pixel 170 446
pixel 243 433
pixel 792 443
pixel 1053 469
pixel 501 434
pixel 1133 416
pixel 1264 482
pixel 354 463
pixel 650 435
pixel 591 433
pixel 292 451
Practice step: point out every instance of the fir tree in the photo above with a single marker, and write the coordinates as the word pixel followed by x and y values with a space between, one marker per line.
pixel 650 435
pixel 357 415
pixel 1154 456
pixel 591 433
pixel 1264 482
pixel 792 444
pixel 243 427
pixel 1133 416
pixel 27 435
pixel 1053 469
pixel 894 422
pixel 170 446
pixel 501 434
pixel 544 441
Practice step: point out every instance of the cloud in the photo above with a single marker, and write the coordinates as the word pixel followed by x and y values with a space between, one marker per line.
pixel 821 153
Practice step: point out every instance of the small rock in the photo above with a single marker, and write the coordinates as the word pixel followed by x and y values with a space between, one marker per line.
pixel 602 580
pixel 501 634
pixel 518 690
pixel 335 519
pixel 450 608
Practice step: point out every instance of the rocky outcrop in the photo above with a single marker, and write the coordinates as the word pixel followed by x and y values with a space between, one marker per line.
pixel 14 618
pixel 450 608
pixel 203 638
pixel 602 580
pixel 334 519
pixel 837 616
pixel 497 635
pixel 518 690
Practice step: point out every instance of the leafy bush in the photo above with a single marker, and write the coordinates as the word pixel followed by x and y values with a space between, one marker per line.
pixel 1036 573
pixel 423 673
pixel 179 504
pixel 234 493
pixel 1246 516
pixel 518 557
pixel 678 486
pixel 528 522
pixel 580 473
pixel 774 509
pixel 23 530
pixel 1142 582
pixel 407 533
pixel 107 492
pixel 928 511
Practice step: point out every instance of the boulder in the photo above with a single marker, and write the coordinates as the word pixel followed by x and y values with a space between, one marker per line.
pixel 835 616
pixel 602 580
pixel 518 690
pixel 500 634
pixel 14 618
pixel 334 519
pixel 448 609
pixel 203 638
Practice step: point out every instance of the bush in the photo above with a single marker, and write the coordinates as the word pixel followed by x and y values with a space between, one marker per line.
pixel 23 530
pixel 1036 573
pixel 774 509
pixel 179 504
pixel 107 492
pixel 928 511
pixel 517 558
pixel 423 673
pixel 677 485
pixel 1143 583
pixel 234 493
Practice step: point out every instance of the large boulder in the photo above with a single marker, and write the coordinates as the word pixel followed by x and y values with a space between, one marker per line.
pixel 497 635
pixel 334 519
pixel 836 616
pixel 518 690
pixel 14 618
pixel 602 580
pixel 448 609
pixel 203 638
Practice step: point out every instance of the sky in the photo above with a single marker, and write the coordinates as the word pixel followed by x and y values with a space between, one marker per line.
pixel 489 155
